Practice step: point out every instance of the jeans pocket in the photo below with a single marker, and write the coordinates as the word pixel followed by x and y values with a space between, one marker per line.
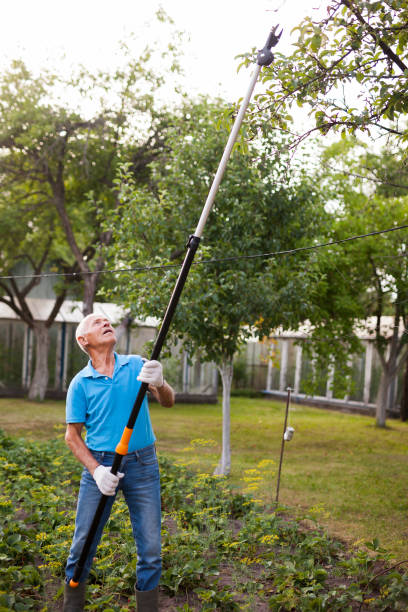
pixel 147 456
pixel 98 455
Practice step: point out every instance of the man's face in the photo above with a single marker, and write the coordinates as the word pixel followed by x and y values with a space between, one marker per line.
pixel 99 333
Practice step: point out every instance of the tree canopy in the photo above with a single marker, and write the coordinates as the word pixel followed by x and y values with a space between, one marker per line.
pixel 349 68
pixel 361 282
pixel 260 207
pixel 61 141
pixel 68 160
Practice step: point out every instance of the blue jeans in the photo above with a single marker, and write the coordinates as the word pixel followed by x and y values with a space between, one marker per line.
pixel 141 488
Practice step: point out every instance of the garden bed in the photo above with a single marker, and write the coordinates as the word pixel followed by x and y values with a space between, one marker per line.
pixel 222 550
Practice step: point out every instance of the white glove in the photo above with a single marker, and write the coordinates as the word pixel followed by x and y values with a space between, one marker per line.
pixel 106 481
pixel 152 373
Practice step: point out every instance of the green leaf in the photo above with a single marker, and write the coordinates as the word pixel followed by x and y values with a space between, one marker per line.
pixel 316 42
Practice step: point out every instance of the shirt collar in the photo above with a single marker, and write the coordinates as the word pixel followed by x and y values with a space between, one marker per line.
pixel 90 372
pixel 121 360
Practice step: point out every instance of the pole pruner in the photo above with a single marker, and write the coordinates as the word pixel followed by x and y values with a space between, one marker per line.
pixel 264 58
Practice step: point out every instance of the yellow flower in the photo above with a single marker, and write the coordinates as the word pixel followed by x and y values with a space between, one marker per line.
pixel 252 487
pixel 231 544
pixel 265 463
pixel 202 442
pixel 249 561
pixel 358 542
pixel 269 539
pixel 10 465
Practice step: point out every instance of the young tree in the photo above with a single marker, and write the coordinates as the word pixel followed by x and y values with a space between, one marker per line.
pixel 260 207
pixel 349 68
pixel 369 277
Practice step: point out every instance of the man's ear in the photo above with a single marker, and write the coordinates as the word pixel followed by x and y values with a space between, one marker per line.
pixel 83 341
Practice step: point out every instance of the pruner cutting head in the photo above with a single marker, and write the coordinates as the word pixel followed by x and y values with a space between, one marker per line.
pixel 273 37
pixel 265 55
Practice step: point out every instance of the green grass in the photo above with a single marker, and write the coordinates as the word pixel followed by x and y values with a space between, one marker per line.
pixel 352 473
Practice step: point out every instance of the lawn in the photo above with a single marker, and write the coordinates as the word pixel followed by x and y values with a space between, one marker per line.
pixel 351 473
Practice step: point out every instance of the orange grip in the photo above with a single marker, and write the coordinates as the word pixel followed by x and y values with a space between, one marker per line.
pixel 73 584
pixel 122 447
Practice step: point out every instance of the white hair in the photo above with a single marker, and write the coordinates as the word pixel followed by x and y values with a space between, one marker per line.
pixel 81 330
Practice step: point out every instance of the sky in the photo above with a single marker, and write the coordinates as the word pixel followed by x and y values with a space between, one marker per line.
pixel 88 31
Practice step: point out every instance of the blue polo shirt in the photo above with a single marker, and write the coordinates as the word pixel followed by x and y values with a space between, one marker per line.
pixel 104 404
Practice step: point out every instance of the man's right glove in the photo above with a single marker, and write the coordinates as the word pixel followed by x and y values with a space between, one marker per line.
pixel 106 481
pixel 152 373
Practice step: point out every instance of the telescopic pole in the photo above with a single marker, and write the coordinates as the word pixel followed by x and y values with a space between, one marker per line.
pixel 264 58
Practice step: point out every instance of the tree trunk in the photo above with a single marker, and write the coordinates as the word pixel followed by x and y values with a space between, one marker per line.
pixel 404 394
pixel 382 397
pixel 90 282
pixel 123 326
pixel 38 385
pixel 381 405
pixel 226 370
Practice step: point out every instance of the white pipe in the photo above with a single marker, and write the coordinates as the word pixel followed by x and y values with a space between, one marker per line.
pixel 227 152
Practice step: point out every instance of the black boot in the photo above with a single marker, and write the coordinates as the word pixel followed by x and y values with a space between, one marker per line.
pixel 74 598
pixel 147 601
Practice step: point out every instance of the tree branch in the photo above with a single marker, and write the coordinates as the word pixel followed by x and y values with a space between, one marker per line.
pixel 13 306
pixel 56 308
pixel 5 288
pixel 387 129
pixel 59 197
pixel 23 312
pixel 366 178
pixel 387 50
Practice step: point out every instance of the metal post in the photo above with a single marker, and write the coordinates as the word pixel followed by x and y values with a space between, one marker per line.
pixel 264 58
pixel 283 444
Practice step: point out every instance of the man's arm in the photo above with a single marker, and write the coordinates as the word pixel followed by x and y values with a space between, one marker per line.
pixel 105 480
pixel 152 374
pixel 78 447
pixel 163 394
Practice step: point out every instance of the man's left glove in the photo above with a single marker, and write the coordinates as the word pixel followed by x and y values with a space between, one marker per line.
pixel 152 373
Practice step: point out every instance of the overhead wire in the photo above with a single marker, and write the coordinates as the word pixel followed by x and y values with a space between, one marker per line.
pixel 148 268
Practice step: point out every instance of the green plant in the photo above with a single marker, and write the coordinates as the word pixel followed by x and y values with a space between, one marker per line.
pixel 221 551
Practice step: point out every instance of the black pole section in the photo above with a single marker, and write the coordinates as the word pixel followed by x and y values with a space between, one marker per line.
pixel 192 247
pixel 265 57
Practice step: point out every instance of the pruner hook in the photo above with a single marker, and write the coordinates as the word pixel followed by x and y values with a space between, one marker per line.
pixel 273 37
pixel 265 55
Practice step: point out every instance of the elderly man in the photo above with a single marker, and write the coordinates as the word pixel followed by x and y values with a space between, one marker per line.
pixel 101 397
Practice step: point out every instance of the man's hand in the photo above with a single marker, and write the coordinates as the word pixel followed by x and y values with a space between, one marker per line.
pixel 106 481
pixel 152 373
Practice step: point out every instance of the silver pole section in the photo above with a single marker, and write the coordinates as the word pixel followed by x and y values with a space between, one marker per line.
pixel 227 152
pixel 264 58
